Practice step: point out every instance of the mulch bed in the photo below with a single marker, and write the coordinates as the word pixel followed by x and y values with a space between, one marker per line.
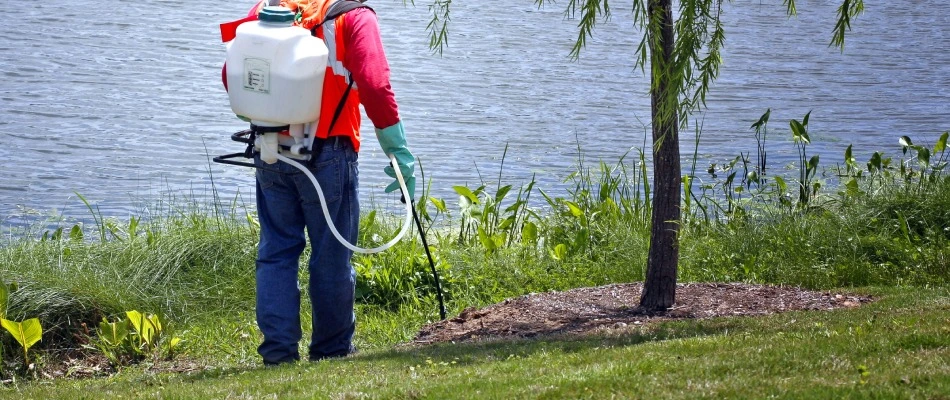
pixel 615 306
pixel 577 311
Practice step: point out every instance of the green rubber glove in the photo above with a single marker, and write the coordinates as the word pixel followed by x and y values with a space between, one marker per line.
pixel 393 141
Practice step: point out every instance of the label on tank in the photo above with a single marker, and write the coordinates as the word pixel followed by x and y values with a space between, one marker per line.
pixel 257 75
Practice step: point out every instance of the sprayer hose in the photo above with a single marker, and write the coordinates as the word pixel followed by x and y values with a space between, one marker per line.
pixel 326 212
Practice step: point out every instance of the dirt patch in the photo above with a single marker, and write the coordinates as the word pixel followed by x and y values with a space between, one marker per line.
pixel 591 309
pixel 85 363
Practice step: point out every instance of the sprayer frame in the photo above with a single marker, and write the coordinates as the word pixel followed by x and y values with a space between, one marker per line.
pixel 249 136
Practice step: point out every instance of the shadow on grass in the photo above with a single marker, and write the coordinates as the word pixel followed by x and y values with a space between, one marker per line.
pixel 473 353
pixel 895 303
pixel 500 349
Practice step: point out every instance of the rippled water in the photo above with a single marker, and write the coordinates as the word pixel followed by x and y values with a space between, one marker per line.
pixel 122 102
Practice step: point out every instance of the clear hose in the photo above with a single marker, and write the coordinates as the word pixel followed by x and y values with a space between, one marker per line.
pixel 326 212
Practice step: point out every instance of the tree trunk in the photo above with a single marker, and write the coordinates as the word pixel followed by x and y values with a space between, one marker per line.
pixel 659 288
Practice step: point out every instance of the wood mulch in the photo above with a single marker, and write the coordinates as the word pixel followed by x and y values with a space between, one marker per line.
pixel 577 311
pixel 591 309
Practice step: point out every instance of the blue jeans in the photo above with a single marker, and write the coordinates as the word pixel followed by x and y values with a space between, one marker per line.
pixel 287 203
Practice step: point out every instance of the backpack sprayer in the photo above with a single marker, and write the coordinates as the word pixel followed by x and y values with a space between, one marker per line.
pixel 275 78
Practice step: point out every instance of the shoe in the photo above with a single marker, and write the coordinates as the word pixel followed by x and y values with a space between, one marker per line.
pixel 272 364
pixel 350 352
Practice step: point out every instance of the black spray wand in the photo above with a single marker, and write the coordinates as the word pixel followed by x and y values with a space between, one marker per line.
pixel 425 244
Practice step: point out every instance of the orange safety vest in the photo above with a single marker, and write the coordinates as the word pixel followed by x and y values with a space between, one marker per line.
pixel 337 81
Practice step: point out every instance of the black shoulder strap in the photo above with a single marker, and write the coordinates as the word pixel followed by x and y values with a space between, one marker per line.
pixel 339 106
pixel 341 7
pixel 338 8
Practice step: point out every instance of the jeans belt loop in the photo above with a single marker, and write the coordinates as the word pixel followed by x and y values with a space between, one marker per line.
pixel 336 141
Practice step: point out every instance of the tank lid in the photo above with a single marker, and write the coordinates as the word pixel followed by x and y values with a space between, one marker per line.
pixel 276 14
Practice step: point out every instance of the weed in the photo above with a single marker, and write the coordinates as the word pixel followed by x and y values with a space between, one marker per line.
pixel 134 338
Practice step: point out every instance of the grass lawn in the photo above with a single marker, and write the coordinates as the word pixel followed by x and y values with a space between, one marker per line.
pixel 886 231
pixel 896 347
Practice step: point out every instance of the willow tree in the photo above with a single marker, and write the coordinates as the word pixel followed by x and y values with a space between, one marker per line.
pixel 683 55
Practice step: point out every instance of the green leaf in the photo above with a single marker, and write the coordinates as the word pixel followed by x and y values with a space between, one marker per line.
pixel 752 176
pixel 848 156
pixel 905 141
pixel 251 221
pixel 485 239
pixel 923 157
pixel 813 162
pixel 144 326
pixel 559 252
pixel 75 233
pixel 156 322
pixel 575 209
pixel 113 333
pixel 466 193
pixel 502 193
pixel 133 227
pixel 581 238
pixel 731 178
pixel 136 319
pixel 439 204
pixel 499 239
pixel 529 232
pixel 173 344
pixel 551 201
pixel 26 333
pixel 764 119
pixel 370 218
pixel 874 164
pixel 782 186
pixel 798 131
pixel 941 143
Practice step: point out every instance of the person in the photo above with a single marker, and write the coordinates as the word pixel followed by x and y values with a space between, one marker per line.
pixel 287 203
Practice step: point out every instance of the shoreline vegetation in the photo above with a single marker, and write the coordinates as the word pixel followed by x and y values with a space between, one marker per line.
pixel 880 227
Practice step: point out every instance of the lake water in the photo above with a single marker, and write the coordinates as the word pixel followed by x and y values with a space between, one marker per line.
pixel 122 103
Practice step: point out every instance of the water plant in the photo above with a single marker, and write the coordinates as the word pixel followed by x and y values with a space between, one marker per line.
pixel 135 337
pixel 27 332
pixel 761 131
pixel 490 218
pixel 807 188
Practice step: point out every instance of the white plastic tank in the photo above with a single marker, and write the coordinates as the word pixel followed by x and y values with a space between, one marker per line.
pixel 275 70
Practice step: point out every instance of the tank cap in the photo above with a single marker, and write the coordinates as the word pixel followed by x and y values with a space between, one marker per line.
pixel 276 14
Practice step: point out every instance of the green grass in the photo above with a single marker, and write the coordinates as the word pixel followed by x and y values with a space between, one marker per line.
pixel 896 347
pixel 184 267
pixel 886 234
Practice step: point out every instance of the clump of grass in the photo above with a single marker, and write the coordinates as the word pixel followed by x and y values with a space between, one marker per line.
pixel 180 266
pixel 884 225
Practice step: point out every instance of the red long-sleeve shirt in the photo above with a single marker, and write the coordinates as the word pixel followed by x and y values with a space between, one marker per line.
pixel 366 60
